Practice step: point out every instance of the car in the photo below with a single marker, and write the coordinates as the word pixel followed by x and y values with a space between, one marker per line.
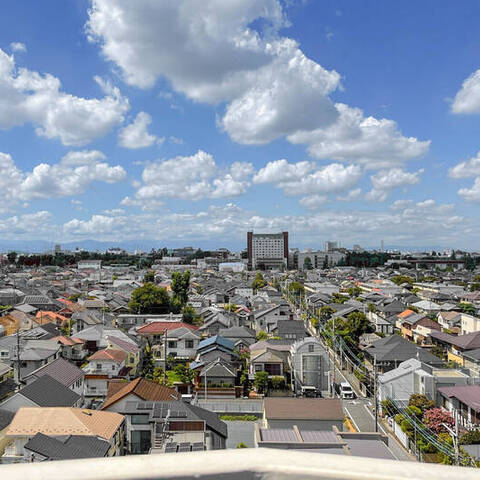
pixel 346 390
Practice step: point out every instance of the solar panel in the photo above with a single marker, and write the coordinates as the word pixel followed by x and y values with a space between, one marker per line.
pixel 157 411
pixel 184 447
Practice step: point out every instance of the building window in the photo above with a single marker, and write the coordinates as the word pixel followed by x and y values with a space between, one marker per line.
pixel 172 344
pixel 258 368
pixel 139 419
pixel 311 348
pixel 141 441
pixel 188 343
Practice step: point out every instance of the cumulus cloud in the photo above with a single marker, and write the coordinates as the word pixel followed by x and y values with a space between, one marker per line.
pixel 191 178
pixel 471 194
pixel 30 97
pixel 314 202
pixel 71 176
pixel 435 224
pixel 135 135
pixel 304 178
pixel 352 195
pixel 467 99
pixel 386 180
pixel 38 224
pixel 364 140
pixel 210 52
pixel 468 169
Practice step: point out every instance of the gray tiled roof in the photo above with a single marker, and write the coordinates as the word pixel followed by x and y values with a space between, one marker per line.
pixel 48 392
pixel 70 447
pixel 61 370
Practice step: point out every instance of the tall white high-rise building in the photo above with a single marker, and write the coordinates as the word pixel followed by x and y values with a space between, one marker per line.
pixel 267 250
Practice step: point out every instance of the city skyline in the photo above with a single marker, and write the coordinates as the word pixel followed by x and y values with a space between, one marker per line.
pixel 329 120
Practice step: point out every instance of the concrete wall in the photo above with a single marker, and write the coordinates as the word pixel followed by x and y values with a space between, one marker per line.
pixel 306 424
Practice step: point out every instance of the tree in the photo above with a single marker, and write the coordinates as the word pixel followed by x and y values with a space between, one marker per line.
pixel 435 417
pixel 190 316
pixel 180 285
pixel 307 263
pixel 354 291
pixel 467 308
pixel 11 256
pixel 184 373
pixel 149 277
pixel 149 299
pixel 261 335
pixel 231 307
pixel 358 324
pixel 325 313
pixel 401 279
pixel 296 288
pixel 148 367
pixel 258 282
pixel 261 381
pixel 339 298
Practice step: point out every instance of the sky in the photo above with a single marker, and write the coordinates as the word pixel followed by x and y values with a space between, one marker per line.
pixel 190 122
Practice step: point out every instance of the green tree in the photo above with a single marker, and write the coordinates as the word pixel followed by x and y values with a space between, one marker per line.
pixel 189 315
pixel 258 282
pixel 307 263
pixel 261 381
pixel 180 286
pixel 231 307
pixel 325 313
pixel 149 277
pixel 467 308
pixel 420 401
pixel 148 365
pixel 185 374
pixel 11 256
pixel 296 288
pixel 354 291
pixel 339 298
pixel 401 279
pixel 149 299
pixel 261 335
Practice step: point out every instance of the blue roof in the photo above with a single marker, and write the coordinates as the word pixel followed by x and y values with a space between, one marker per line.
pixel 216 340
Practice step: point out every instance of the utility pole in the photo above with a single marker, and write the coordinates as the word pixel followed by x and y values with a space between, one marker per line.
pixel 375 391
pixel 19 376
pixel 454 434
pixel 333 347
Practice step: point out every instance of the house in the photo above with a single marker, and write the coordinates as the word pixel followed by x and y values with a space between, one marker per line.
pixel 290 330
pixel 139 389
pixel 217 373
pixel 242 337
pixel 219 321
pixel 306 413
pixel 102 366
pixel 449 320
pixel 36 353
pixel 130 348
pixel 181 343
pixel 385 326
pixel 129 320
pixel 42 302
pixel 72 348
pixel 413 376
pixel 153 332
pixel 43 392
pixel 309 366
pixel 63 371
pixel 45 316
pixel 465 400
pixel 389 352
pixel 216 347
pixel 41 447
pixel 417 326
pixel 471 360
pixel 61 421
pixel 84 319
pixel 455 345
pixel 168 427
pixel 266 319
pixel 469 324
pixel 274 362
pixel 7 383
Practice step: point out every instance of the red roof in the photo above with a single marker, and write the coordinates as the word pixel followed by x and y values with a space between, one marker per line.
pixel 68 340
pixel 161 327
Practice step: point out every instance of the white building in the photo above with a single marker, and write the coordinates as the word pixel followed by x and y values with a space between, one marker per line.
pixel 267 250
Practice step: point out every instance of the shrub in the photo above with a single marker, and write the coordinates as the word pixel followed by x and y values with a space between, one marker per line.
pixel 278 382
pixel 470 438
pixel 242 445
pixel 239 418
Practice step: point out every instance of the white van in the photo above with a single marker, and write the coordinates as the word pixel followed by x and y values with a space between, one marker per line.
pixel 346 390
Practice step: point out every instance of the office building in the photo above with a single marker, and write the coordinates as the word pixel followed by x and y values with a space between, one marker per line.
pixel 267 251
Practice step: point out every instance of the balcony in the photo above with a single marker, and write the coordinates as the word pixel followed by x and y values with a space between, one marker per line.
pixel 243 464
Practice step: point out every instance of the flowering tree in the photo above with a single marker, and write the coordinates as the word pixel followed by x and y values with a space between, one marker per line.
pixel 435 417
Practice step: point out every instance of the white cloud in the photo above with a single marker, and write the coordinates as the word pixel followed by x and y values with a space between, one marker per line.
pixel 304 178
pixel 434 224
pixel 468 169
pixel 314 202
pixel 29 225
pixel 467 99
pixel 386 180
pixel 210 52
pixel 351 196
pixel 30 97
pixel 193 177
pixel 135 135
pixel 471 194
pixel 18 47
pixel 71 176
pixel 176 140
pixel 365 140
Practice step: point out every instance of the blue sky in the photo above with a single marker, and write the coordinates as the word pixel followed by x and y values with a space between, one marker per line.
pixel 190 122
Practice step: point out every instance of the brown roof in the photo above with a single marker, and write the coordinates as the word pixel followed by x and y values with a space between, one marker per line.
pixel 115 385
pixel 145 390
pixel 29 421
pixel 303 408
pixel 109 354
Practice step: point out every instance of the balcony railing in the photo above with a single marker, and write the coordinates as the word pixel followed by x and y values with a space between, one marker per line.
pixel 242 464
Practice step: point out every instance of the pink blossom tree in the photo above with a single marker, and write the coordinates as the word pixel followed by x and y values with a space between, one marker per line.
pixel 435 417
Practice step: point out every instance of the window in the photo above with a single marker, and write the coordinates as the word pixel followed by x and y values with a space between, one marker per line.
pixel 172 344
pixel 98 366
pixel 311 348
pixel 188 343
pixel 139 419
pixel 4 354
pixel 141 441
pixel 258 368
